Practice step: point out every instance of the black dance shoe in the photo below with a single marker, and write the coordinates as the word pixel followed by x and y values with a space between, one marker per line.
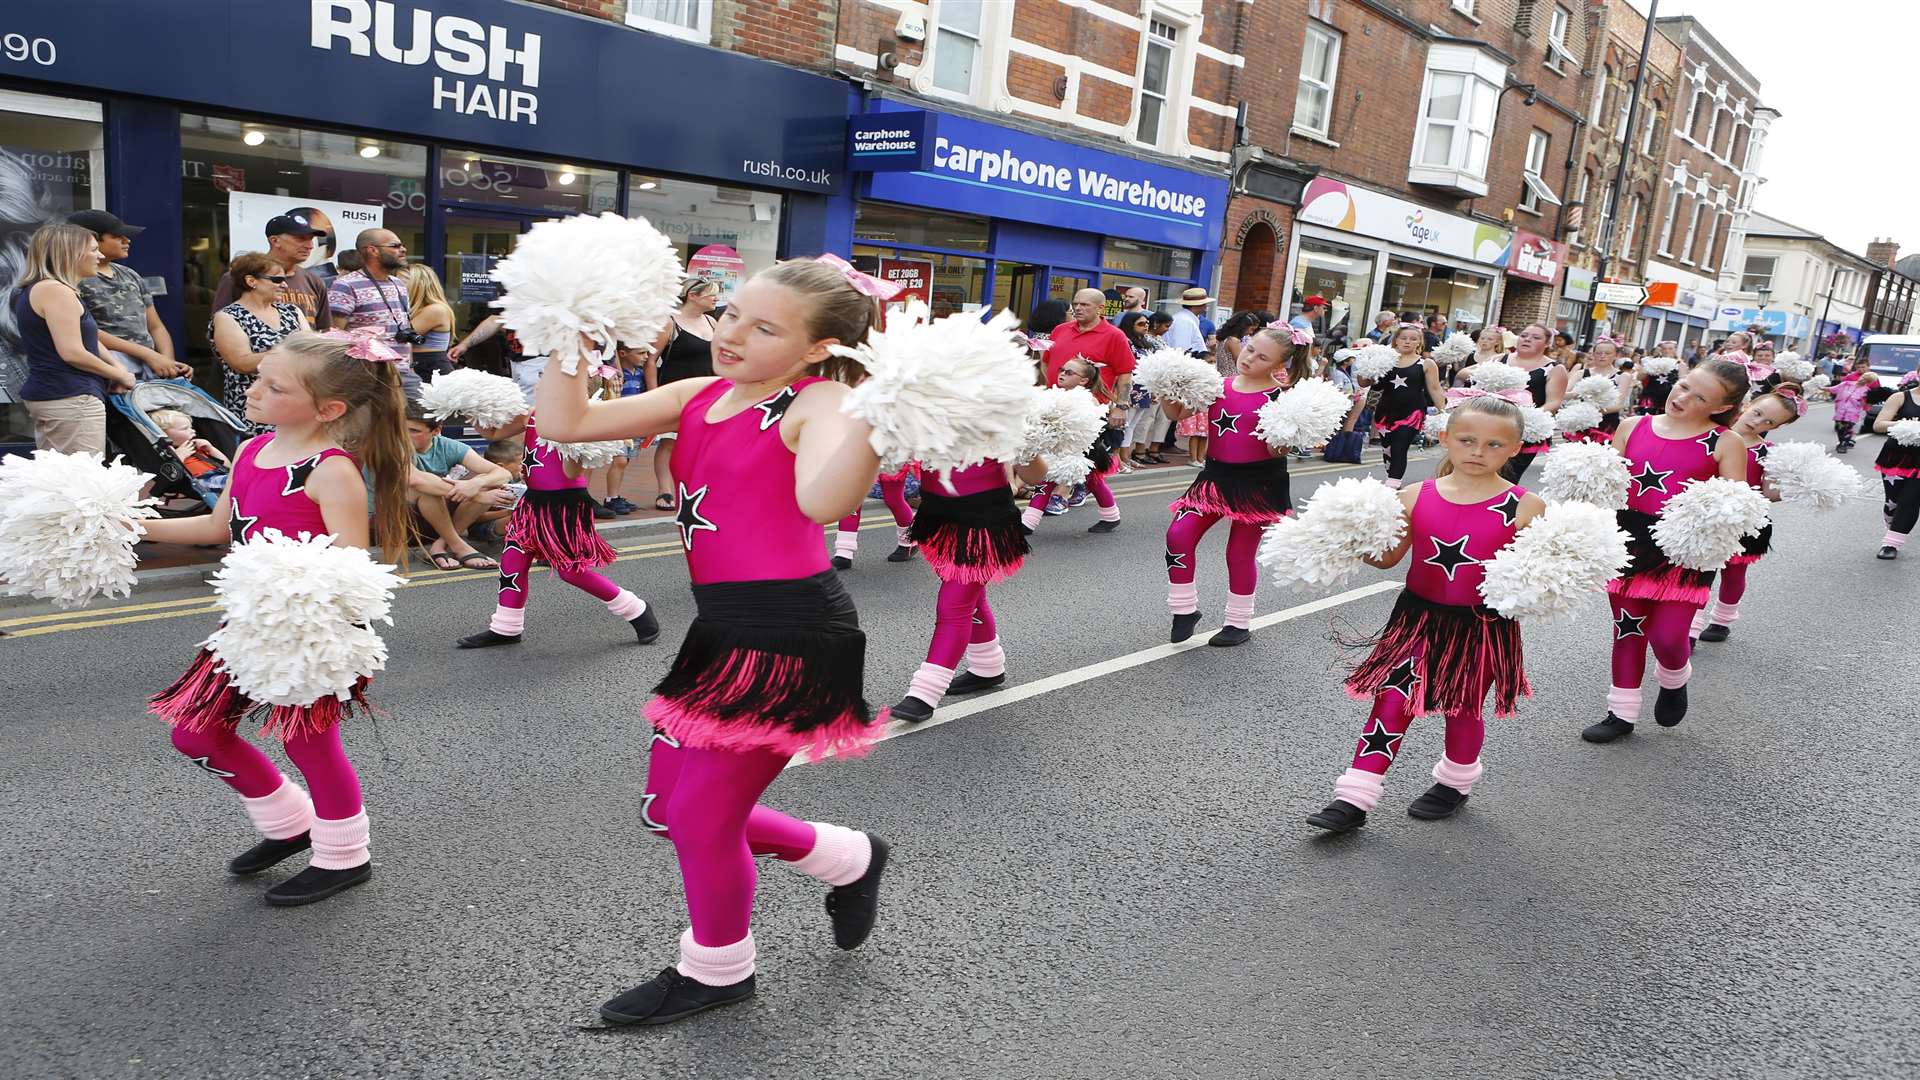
pixel 969 683
pixel 1607 730
pixel 1183 626
pixel 1670 707
pixel 902 553
pixel 840 562
pixel 314 884
pixel 266 853
pixel 1339 816
pixel 1103 526
pixel 912 710
pixel 487 639
pixel 645 626
pixel 1888 553
pixel 1229 636
pixel 669 996
pixel 1438 801
pixel 1716 632
pixel 854 907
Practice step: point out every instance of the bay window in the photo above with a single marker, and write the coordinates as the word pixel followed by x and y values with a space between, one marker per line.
pixel 1457 106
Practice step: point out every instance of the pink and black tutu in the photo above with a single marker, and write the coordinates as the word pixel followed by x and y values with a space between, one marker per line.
pixel 1256 492
pixel 1898 461
pixel 970 538
pixel 1650 575
pixel 1457 653
pixel 556 524
pixel 204 698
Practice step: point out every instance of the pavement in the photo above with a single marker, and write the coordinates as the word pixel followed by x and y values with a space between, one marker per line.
pixel 1101 870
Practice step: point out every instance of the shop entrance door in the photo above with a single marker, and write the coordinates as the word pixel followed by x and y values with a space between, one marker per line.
pixel 1014 287
pixel 475 241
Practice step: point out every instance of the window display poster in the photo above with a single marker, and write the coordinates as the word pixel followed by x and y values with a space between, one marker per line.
pixel 914 277
pixel 248 213
pixel 44 186
pixel 476 279
pixel 720 264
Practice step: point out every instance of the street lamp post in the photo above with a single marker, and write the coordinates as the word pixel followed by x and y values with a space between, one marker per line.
pixel 1765 293
pixel 1620 172
pixel 1813 343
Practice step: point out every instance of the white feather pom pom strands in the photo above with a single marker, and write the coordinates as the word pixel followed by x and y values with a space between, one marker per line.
pixel 1344 521
pixel 590 455
pixel 1061 425
pixel 1586 472
pixel 1435 425
pixel 1457 348
pixel 1576 416
pixel 1659 366
pixel 1565 556
pixel 1804 473
pixel 480 399
pixel 68 524
pixel 1373 361
pixel 1597 389
pixel 1905 432
pixel 1702 527
pixel 1792 368
pixel 1536 425
pixel 299 617
pixel 1306 415
pixel 610 278
pixel 1494 376
pixel 1187 381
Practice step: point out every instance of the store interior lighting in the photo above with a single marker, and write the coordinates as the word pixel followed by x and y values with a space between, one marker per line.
pixel 648 185
pixel 371 150
pixel 254 137
pixel 566 176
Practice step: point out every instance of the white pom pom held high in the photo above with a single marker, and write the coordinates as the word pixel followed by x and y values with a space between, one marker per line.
pixel 68 523
pixel 609 278
pixel 1306 415
pixel 1061 426
pixel 1494 376
pixel 1560 561
pixel 1185 380
pixel 1345 520
pixel 1374 361
pixel 1805 473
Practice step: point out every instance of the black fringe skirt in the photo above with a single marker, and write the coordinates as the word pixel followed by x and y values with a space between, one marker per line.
pixel 971 538
pixel 1442 657
pixel 1650 575
pixel 1257 492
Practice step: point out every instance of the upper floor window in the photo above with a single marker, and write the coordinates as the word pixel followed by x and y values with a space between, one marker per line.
pixel 956 46
pixel 1558 55
pixel 1319 69
pixel 1533 184
pixel 1646 130
pixel 689 19
pixel 1464 7
pixel 1620 119
pixel 1600 96
pixel 1628 223
pixel 1457 106
pixel 1156 76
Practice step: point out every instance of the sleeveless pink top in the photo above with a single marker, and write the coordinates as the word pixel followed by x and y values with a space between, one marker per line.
pixel 739 518
pixel 545 469
pixel 982 476
pixel 274 498
pixel 1452 541
pixel 1662 466
pixel 1230 423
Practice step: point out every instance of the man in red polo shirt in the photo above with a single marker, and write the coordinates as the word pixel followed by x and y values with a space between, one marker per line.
pixel 1089 334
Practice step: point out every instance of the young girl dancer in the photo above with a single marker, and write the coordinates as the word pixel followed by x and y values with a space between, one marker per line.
pixel 321 395
pixel 1405 393
pixel 1850 403
pixel 1604 360
pixel 554 522
pixel 1546 384
pixel 1442 649
pixel 1653 600
pixel 1244 480
pixel 1899 469
pixel 1766 413
pixel 893 492
pixel 1080 371
pixel 773 662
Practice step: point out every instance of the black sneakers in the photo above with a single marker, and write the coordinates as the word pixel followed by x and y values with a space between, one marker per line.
pixel 1229 636
pixel 314 884
pixel 853 907
pixel 1670 707
pixel 902 553
pixel 1103 526
pixel 1888 552
pixel 1183 626
pixel 1607 730
pixel 841 562
pixel 669 996
pixel 969 683
pixel 912 710
pixel 1716 632
pixel 1439 801
pixel 645 626
pixel 266 853
pixel 487 639
pixel 1339 816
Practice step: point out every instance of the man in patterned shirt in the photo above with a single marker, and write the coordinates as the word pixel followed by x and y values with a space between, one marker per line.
pixel 374 296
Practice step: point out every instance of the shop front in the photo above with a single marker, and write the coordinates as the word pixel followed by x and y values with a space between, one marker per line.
pixel 1365 251
pixel 1533 265
pixel 455 132
pixel 974 216
pixel 1685 321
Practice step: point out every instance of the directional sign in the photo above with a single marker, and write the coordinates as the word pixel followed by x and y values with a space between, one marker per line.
pixel 1633 294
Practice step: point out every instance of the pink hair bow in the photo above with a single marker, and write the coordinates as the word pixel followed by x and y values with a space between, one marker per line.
pixel 864 284
pixel 1793 397
pixel 1294 333
pixel 367 343
pixel 1518 395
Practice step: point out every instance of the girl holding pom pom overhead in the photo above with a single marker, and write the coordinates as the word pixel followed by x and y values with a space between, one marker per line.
pixel 1244 481
pixel 1442 650
pixel 333 402
pixel 1766 413
pixel 1899 466
pixel 773 662
pixel 1654 600
pixel 1405 392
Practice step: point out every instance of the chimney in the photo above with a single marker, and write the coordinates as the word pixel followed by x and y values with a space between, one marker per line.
pixel 1883 252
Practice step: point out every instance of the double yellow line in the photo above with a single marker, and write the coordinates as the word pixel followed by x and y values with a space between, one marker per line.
pixel 61 622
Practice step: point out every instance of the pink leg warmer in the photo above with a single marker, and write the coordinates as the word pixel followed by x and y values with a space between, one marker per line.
pixel 1393 482
pixel 1894 540
pixel 716 965
pixel 508 621
pixel 840 855
pixel 1030 517
pixel 287 812
pixel 1183 598
pixel 1359 787
pixel 846 543
pixel 1624 702
pixel 930 683
pixel 986 658
pixel 903 537
pixel 1701 619
pixel 625 606
pixel 1672 679
pixel 341 844
pixel 1725 613
pixel 1239 610
pixel 1460 778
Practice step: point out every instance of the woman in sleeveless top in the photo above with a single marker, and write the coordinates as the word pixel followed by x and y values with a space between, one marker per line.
pixel 1899 469
pixel 246 329
pixel 67 377
pixel 685 351
pixel 432 318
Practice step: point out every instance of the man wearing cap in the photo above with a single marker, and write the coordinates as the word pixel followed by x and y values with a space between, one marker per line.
pixel 290 239
pixel 117 297
pixel 1310 311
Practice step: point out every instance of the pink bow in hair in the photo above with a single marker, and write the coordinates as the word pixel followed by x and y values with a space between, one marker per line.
pixel 1518 395
pixel 1294 333
pixel 367 343
pixel 864 284
pixel 1792 397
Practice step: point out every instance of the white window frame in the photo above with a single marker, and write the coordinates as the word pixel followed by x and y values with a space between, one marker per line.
pixel 1646 133
pixel 1558 23
pixel 1480 74
pixel 1620 121
pixel 931 54
pixel 701 31
pixel 1533 173
pixel 1673 214
pixel 1629 223
pixel 1465 7
pixel 1150 40
pixel 1693 229
pixel 1305 83
pixel 1580 196
pixel 1713 233
pixel 1693 111
pixel 1746 272
pixel 1598 112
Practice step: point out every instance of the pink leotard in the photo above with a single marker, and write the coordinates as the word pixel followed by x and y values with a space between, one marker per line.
pixel 1452 542
pixel 274 498
pixel 1662 466
pixel 545 469
pixel 975 478
pixel 739 517
pixel 1230 423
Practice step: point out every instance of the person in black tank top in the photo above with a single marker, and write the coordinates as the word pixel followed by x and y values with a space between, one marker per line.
pixel 1546 384
pixel 1899 469
pixel 682 353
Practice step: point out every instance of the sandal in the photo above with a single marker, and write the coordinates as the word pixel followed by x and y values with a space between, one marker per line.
pixel 486 562
pixel 663 502
pixel 444 560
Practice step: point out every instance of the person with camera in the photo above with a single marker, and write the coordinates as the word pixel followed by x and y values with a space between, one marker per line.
pixel 375 295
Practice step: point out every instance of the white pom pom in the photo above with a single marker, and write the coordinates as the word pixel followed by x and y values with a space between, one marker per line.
pixel 1185 380
pixel 1555 564
pixel 1344 520
pixel 1818 387
pixel 481 399
pixel 68 524
pixel 1703 526
pixel 1792 368
pixel 948 393
pixel 1069 469
pixel 1373 361
pixel 1457 348
pixel 590 455
pixel 1435 424
pixel 611 278
pixel 1576 416
pixel 1905 432
pixel 1536 424
pixel 1659 366
pixel 1494 376
pixel 1586 472
pixel 1595 388
pixel 1306 415
pixel 1061 425
pixel 1803 472
pixel 299 617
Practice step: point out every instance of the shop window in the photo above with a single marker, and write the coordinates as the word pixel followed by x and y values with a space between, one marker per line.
pixel 947 284
pixel 1457 106
pixel 1416 290
pixel 956 46
pixel 481 176
pixel 1148 260
pixel 1319 70
pixel 688 19
pixel 722 233
pixel 51 164
pixel 882 224
pixel 1156 80
pixel 1344 276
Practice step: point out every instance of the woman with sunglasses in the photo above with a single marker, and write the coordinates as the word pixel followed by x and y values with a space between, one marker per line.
pixel 246 329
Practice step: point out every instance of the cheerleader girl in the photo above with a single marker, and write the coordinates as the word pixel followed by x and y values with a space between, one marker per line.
pixel 1653 600
pixel 1442 649
pixel 1850 403
pixel 893 492
pixel 554 521
pixel 1244 481
pixel 1405 393
pixel 1766 413
pixel 1899 469
pixel 333 403
pixel 1650 397
pixel 773 662
pixel 1604 360
pixel 1546 384
pixel 1760 372
pixel 1080 371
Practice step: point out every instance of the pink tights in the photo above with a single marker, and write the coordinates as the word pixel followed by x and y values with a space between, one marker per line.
pixel 1388 723
pixel 321 759
pixel 1183 539
pixel 893 492
pixel 961 618
pixel 1733 583
pixel 510 617
pixel 1638 625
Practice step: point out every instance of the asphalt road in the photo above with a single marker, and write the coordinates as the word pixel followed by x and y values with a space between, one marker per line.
pixel 1106 875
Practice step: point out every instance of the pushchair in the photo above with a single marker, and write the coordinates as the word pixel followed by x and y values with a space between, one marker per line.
pixel 134 436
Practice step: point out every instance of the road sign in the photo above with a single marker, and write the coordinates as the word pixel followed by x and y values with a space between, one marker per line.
pixel 1634 294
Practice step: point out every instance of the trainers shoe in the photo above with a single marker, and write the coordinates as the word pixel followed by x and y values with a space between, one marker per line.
pixel 601 512
pixel 1104 526
pixel 1078 497
pixel 314 884
pixel 912 710
pixel 1670 707
pixel 969 683
pixel 853 907
pixel 1888 553
pixel 1183 626
pixel 902 553
pixel 1056 506
pixel 266 853
pixel 1716 632
pixel 669 996
pixel 841 562
pixel 645 626
pixel 1229 636
pixel 619 505
pixel 487 639
pixel 1607 730
pixel 1338 816
pixel 1439 801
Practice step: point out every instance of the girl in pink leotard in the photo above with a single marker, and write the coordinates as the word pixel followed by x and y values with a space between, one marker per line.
pixel 1765 413
pixel 893 492
pixel 773 661
pixel 1442 649
pixel 1244 481
pixel 554 521
pixel 299 479
pixel 1080 372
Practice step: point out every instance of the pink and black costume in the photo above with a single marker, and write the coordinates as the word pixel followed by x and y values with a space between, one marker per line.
pixel 970 535
pixel 1243 481
pixel 1442 649
pixel 1400 414
pixel 893 492
pixel 1733 580
pixel 1104 465
pixel 205 708
pixel 1899 469
pixel 1518 465
pixel 1654 390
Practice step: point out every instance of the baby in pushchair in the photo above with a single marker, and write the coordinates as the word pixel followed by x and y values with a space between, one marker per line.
pixel 208 467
